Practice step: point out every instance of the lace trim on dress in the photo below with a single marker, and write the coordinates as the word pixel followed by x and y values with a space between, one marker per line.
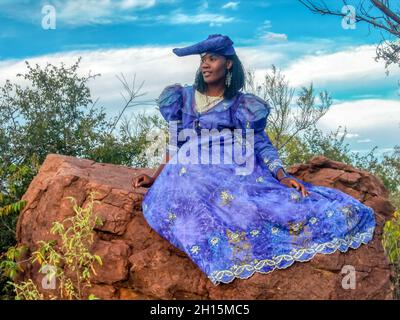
pixel 204 103
pixel 286 260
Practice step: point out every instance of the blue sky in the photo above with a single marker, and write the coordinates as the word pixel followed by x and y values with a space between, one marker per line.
pixel 137 36
pixel 109 24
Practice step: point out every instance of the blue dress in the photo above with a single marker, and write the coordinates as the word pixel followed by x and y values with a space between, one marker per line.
pixel 233 225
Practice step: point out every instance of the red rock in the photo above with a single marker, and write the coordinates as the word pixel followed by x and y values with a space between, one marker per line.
pixel 140 264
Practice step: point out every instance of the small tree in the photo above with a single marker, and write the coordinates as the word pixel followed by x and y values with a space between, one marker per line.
pixel 286 122
pixel 70 264
pixel 53 112
pixel 379 14
pixel 391 244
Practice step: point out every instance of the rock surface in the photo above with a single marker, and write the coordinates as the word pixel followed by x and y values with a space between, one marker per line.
pixel 140 264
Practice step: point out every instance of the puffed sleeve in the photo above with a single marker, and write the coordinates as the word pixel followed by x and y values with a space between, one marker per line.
pixel 170 103
pixel 252 113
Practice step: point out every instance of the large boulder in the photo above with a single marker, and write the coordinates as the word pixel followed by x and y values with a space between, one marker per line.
pixel 140 264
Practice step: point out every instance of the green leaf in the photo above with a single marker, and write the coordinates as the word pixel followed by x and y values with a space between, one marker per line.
pixel 93 297
pixel 98 259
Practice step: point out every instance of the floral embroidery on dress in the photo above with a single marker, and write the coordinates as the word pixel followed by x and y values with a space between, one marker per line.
pixel 195 249
pixel 275 164
pixel 302 238
pixel 238 139
pixel 235 237
pixel 346 209
pixel 254 233
pixel 214 241
pixel 272 165
pixel 170 219
pixel 242 253
pixel 329 213
pixel 226 197
pixel 182 171
pixel 300 254
pixel 294 196
pixel 296 227
pixel 260 179
pixel 313 220
pixel 171 216
pixel 350 215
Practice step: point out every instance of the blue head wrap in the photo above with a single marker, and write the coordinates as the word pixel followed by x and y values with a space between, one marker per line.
pixel 216 43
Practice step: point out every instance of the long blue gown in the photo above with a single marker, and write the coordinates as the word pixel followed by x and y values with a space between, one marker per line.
pixel 233 225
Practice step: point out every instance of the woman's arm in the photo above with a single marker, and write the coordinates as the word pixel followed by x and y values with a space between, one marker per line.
pixel 144 180
pixel 268 154
pixel 280 174
pixel 161 166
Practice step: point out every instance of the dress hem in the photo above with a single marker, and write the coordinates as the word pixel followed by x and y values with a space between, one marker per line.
pixel 227 276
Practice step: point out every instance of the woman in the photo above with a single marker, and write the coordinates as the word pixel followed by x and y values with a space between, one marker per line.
pixel 232 225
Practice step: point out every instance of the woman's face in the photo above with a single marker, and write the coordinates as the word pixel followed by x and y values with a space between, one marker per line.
pixel 213 67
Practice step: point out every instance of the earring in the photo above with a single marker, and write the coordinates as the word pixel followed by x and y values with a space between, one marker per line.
pixel 228 79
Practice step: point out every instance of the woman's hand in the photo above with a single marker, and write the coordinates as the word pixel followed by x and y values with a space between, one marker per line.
pixel 142 180
pixel 292 183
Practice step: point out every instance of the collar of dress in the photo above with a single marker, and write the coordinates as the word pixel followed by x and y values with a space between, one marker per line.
pixel 204 103
pixel 219 105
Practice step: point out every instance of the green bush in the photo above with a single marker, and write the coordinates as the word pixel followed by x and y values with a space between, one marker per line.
pixel 70 264
pixel 391 244
pixel 55 113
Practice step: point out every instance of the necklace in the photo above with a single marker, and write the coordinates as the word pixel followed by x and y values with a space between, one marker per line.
pixel 205 102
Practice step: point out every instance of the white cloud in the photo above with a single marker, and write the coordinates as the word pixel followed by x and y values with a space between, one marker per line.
pixel 274 36
pixel 374 119
pixel 364 140
pixel 75 13
pixel 183 18
pixel 363 114
pixel 230 5
pixel 345 67
pixel 266 24
pixel 81 12
pixel 154 65
pixel 128 4
pixel 348 135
